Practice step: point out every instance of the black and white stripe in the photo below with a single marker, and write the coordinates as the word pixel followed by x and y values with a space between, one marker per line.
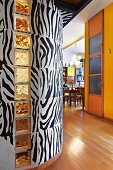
pixel 46 79
pixel 8 47
pixel 7 121
pixel 50 83
pixel 1 14
pixel 8 83
pixel 48 3
pixel 35 116
pixel 47 70
pixel 46 21
pixel 1 46
pixel 50 112
pixel 7 88
pixel 7 104
pixel 66 16
pixel 50 53
pixel 9 14
pixel 48 143
pixel 1 112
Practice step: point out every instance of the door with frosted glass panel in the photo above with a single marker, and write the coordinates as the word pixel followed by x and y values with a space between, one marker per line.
pixel 95 105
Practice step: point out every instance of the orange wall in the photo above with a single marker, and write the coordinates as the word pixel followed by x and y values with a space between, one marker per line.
pixel 86 67
pixel 108 62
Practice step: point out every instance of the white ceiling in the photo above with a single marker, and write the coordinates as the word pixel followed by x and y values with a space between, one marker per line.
pixel 78 47
pixel 76 28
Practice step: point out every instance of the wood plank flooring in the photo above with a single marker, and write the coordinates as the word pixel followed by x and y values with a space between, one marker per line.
pixel 88 143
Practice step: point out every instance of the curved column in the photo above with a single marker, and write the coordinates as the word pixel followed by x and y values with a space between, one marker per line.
pixel 46 83
pixel 47 107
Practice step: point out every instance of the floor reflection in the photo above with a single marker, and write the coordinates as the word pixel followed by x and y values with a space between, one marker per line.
pixel 76 145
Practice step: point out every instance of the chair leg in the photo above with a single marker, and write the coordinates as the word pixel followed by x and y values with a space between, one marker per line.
pixel 70 99
pixel 75 100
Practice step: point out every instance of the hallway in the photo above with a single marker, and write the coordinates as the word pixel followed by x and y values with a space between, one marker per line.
pixel 88 143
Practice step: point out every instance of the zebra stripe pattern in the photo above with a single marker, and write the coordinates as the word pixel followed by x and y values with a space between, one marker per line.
pixel 6 83
pixel 1 47
pixel 47 108
pixel 46 79
pixel 1 113
pixel 7 121
pixel 7 86
pixel 1 14
pixel 45 19
pixel 50 141
pixel 8 50
pixel 6 103
pixel 66 16
pixel 9 14
pixel 49 3
pixel 50 112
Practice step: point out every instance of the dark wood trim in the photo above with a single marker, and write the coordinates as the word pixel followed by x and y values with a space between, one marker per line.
pixel 108 119
pixel 102 68
pixel 85 111
pixel 96 115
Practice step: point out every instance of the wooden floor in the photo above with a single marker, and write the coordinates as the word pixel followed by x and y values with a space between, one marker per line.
pixel 88 143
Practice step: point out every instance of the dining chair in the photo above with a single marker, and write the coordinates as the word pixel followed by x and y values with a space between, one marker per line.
pixel 66 96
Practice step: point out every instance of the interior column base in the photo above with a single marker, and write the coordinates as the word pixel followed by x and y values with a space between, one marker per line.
pixel 48 163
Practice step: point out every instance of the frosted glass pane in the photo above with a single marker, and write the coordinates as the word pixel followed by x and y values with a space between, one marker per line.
pixel 95 44
pixel 95 65
pixel 95 85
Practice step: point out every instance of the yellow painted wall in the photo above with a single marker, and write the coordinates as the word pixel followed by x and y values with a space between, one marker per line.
pixel 71 71
pixel 108 61
pixel 86 67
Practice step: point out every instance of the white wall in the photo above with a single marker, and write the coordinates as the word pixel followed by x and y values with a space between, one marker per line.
pixel 67 57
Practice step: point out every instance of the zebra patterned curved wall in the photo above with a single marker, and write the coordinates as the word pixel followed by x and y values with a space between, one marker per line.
pixel 47 90
pixel 46 83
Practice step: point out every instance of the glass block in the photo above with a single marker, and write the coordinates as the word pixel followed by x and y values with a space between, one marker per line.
pixel 23 159
pixel 22 23
pixel 23 142
pixel 22 57
pixel 22 6
pixel 22 91
pixel 23 124
pixel 22 40
pixel 22 74
pixel 22 108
